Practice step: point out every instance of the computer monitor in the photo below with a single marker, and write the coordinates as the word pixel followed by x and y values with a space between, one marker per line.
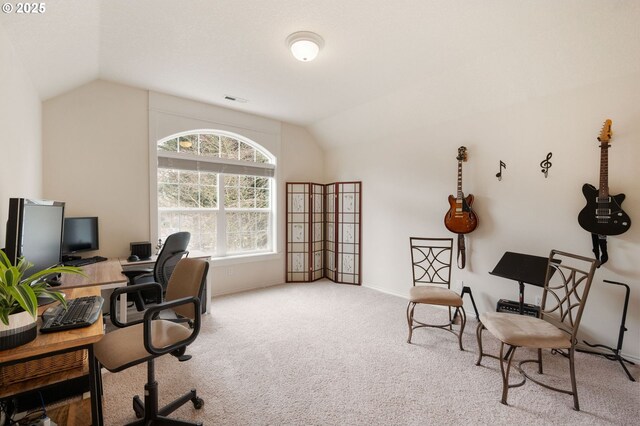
pixel 80 234
pixel 34 231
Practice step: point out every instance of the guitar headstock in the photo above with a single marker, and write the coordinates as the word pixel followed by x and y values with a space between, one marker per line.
pixel 462 154
pixel 605 133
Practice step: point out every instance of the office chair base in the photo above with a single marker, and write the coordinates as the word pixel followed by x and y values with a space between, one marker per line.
pixel 158 416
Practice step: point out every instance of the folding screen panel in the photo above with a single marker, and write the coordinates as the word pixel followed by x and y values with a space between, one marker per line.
pixel 330 226
pixel 348 232
pixel 317 231
pixel 298 225
pixel 323 232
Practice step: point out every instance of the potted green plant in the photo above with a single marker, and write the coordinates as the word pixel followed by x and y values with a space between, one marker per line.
pixel 19 299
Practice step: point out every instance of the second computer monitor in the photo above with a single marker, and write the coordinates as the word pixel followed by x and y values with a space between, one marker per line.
pixel 80 234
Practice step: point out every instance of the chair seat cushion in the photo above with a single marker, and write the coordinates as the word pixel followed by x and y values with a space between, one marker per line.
pixel 124 347
pixel 433 295
pixel 525 331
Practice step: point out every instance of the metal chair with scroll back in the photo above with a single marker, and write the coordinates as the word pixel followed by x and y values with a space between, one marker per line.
pixel 431 267
pixel 564 296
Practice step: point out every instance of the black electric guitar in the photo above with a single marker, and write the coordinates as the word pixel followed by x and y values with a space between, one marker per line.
pixel 460 218
pixel 603 215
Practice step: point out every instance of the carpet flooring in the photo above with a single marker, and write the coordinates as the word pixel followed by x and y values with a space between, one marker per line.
pixel 329 354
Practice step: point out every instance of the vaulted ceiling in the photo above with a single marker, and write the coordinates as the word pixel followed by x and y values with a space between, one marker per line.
pixel 385 64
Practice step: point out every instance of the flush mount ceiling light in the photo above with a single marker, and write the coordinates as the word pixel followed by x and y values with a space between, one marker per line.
pixel 305 45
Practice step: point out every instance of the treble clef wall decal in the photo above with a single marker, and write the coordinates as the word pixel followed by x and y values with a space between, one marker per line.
pixel 546 165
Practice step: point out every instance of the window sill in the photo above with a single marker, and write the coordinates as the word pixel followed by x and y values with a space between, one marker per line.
pixel 245 258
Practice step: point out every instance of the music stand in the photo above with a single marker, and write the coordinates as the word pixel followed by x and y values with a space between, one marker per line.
pixel 523 268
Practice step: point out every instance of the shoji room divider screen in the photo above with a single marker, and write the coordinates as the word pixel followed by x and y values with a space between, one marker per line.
pixel 324 231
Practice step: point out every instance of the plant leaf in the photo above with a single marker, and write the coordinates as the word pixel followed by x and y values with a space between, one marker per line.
pixel 23 264
pixel 25 297
pixel 4 260
pixel 4 316
pixel 17 292
pixel 9 276
pixel 55 270
pixel 57 296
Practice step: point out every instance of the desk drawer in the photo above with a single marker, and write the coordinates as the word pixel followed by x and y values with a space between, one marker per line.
pixel 41 367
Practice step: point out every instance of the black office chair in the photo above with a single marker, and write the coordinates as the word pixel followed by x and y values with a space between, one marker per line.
pixel 174 249
pixel 144 340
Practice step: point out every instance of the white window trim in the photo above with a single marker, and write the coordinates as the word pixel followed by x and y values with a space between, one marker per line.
pixel 217 165
pixel 172 115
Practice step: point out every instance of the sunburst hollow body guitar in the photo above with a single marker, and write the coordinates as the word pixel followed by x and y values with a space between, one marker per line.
pixel 460 218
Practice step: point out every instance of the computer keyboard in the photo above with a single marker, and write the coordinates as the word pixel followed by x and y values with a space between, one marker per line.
pixel 85 261
pixel 80 312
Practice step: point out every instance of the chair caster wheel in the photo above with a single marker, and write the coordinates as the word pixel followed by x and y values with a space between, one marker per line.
pixel 198 403
pixel 138 407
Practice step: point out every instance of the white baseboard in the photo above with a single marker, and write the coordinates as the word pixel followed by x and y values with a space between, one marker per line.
pixel 404 296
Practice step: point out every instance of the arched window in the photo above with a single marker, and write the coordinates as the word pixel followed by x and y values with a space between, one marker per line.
pixel 218 186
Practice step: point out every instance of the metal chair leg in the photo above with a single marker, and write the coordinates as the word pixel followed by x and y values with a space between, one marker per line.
pixel 448 326
pixel 463 322
pixel 540 361
pixel 410 307
pixel 505 374
pixel 574 387
pixel 479 339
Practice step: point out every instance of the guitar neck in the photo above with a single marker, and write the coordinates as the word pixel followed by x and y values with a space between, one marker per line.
pixel 460 195
pixel 603 192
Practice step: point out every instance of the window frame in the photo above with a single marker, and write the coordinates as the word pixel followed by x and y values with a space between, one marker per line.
pixel 252 168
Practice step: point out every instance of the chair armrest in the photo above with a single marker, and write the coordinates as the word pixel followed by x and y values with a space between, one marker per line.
pixel 113 312
pixel 131 274
pixel 151 313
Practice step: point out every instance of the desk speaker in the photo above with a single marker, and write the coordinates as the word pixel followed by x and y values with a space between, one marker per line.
pixel 141 249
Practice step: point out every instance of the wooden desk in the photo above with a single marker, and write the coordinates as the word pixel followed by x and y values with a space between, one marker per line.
pixel 107 275
pixel 55 343
pixel 193 254
pixel 148 263
pixel 101 274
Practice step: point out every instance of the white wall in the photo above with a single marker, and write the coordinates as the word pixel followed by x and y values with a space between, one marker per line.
pixel 300 159
pixel 96 147
pixel 20 133
pixel 95 159
pixel 407 178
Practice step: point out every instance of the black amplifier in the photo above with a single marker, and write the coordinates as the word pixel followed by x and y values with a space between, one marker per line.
pixel 513 307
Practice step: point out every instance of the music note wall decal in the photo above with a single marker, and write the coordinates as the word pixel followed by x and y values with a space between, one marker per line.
pixel 499 174
pixel 546 165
